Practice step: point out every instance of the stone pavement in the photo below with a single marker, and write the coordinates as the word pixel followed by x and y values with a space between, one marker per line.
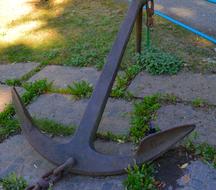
pixel 64 76
pixel 188 86
pixel 15 71
pixel 116 118
pixel 17 155
pixel 199 14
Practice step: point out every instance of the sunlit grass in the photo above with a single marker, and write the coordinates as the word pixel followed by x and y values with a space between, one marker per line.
pixel 25 21
pixel 78 33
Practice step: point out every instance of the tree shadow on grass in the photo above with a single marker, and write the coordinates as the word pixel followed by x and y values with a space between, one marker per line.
pixel 78 33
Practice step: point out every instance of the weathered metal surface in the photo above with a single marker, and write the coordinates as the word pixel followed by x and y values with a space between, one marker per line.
pixel 87 160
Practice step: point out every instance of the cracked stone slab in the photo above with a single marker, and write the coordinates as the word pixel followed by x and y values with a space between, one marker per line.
pixel 6 97
pixel 173 115
pixel 185 85
pixel 62 76
pixel 65 110
pixel 16 155
pixel 15 71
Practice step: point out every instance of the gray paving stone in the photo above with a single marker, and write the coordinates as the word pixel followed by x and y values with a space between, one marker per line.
pixel 62 76
pixel 174 115
pixel 5 95
pixel 196 175
pixel 63 109
pixel 16 155
pixel 201 176
pixel 187 86
pixel 15 71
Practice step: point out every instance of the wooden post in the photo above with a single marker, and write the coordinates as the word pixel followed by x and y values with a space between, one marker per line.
pixel 139 31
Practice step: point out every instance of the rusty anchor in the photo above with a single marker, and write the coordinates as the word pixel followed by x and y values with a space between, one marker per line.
pixel 86 160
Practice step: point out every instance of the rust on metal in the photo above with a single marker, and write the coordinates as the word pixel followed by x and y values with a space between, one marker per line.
pixel 86 160
pixel 150 13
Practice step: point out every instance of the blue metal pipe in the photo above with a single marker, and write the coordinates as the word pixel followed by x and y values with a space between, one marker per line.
pixel 195 31
pixel 212 1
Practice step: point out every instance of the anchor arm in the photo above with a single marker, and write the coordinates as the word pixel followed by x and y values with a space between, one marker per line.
pixel 92 116
pixel 42 143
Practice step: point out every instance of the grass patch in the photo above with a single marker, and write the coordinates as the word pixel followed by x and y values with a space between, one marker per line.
pixel 168 98
pixel 81 89
pixel 198 102
pixel 13 182
pixel 53 128
pixel 113 137
pixel 35 89
pixel 13 82
pixel 142 114
pixel 203 150
pixel 140 178
pixel 78 33
pixel 157 62
pixel 8 124
pixel 123 80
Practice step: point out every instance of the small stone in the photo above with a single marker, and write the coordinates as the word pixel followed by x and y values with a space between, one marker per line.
pixel 184 166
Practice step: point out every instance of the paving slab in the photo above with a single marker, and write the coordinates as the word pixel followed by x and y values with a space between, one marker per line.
pixel 199 14
pixel 63 109
pixel 195 175
pixel 180 114
pixel 15 71
pixel 186 85
pixel 16 155
pixel 62 76
pixel 6 97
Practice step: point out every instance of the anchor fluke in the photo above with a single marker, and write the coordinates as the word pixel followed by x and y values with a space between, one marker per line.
pixel 156 144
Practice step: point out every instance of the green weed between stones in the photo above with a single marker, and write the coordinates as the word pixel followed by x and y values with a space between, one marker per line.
pixel 81 89
pixel 13 82
pixel 13 182
pixel 157 62
pixel 113 137
pixel 35 89
pixel 19 82
pixel 144 111
pixel 203 150
pixel 54 128
pixel 140 178
pixel 123 80
pixel 198 102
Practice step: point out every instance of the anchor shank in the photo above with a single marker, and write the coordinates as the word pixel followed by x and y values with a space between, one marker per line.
pixel 92 116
